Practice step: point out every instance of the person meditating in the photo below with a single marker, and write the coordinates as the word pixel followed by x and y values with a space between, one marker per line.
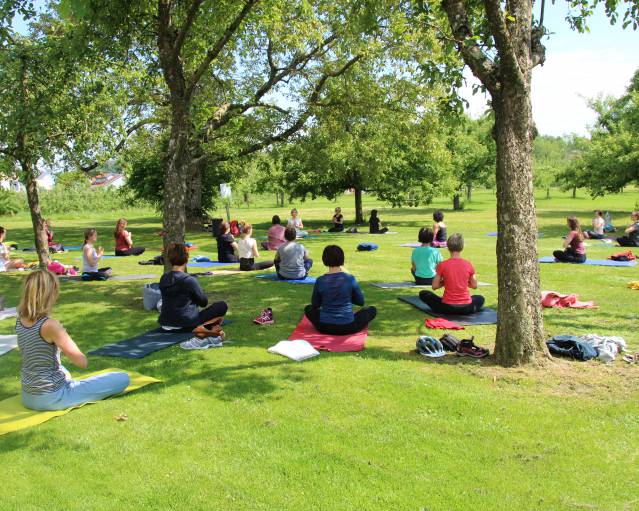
pixel 247 249
pixel 337 221
pixel 54 247
pixel 226 245
pixel 296 222
pixel 182 296
pixel 631 239
pixel 574 249
pixel 123 240
pixel 334 293
pixel 46 384
pixel 275 235
pixel 598 224
pixel 425 259
pixel 455 275
pixel 292 261
pixel 439 229
pixel 375 224
pixel 6 263
pixel 91 258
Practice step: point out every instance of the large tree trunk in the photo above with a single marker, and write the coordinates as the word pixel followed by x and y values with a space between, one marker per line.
pixel 456 202
pixel 194 211
pixel 520 332
pixel 359 212
pixel 40 236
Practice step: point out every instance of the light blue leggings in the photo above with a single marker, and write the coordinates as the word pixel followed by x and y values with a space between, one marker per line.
pixel 76 392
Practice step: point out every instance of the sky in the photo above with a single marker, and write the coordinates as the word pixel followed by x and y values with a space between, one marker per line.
pixel 578 67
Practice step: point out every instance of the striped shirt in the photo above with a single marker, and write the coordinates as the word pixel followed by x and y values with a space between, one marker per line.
pixel 41 369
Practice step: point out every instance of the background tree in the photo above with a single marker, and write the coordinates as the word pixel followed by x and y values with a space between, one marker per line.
pixel 551 157
pixel 610 159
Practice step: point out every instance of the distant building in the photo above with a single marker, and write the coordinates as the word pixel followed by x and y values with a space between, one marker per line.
pixel 11 184
pixel 107 179
pixel 44 181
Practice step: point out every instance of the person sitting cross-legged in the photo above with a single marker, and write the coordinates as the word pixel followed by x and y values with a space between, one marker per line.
pixel 331 308
pixel 455 275
pixel 182 296
pixel 292 261
pixel 425 259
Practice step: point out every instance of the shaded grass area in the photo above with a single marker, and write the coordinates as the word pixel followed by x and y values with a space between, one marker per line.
pixel 238 428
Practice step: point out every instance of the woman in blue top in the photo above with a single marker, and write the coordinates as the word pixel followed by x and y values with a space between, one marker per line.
pixel 425 259
pixel 331 308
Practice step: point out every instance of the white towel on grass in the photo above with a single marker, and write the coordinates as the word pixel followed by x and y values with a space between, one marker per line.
pixel 297 349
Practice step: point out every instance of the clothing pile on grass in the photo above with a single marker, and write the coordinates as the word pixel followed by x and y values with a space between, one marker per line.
pixel 587 346
pixel 557 300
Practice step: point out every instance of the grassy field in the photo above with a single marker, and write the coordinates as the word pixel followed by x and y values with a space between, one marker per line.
pixel 240 429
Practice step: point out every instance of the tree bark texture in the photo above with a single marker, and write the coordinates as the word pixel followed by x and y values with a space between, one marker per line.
pixel 194 212
pixel 469 192
pixel 520 332
pixel 40 236
pixel 456 202
pixel 574 193
pixel 359 212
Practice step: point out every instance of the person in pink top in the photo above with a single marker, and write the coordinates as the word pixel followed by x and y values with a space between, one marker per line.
pixel 275 235
pixel 574 249
pixel 455 275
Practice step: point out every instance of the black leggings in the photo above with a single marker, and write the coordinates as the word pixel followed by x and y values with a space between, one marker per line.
pixel 380 231
pixel 215 310
pixel 594 236
pixel 625 241
pixel 569 256
pixel 249 264
pixel 101 274
pixel 362 318
pixel 435 303
pixel 133 251
pixel 337 228
pixel 422 281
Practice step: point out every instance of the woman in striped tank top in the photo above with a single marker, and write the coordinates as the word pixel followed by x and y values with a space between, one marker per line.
pixel 46 384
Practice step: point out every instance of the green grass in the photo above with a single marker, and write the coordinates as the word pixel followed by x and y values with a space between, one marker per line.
pixel 240 429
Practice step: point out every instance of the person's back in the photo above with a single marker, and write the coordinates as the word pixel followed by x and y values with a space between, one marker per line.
pixel 291 257
pixel 181 296
pixel 426 259
pixel 337 293
pixel 276 236
pixel 456 273
pixel 225 250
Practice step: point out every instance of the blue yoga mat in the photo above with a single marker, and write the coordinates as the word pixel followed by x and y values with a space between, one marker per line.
pixel 273 276
pixel 142 345
pixel 592 262
pixel 539 234
pixel 72 247
pixel 208 264
pixel 485 316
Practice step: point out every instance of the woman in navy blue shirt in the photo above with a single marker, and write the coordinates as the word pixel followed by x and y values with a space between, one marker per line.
pixel 331 308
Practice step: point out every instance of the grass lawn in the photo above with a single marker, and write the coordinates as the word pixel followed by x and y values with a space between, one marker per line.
pixel 240 429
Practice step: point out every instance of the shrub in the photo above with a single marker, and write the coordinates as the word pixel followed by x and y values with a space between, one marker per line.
pixel 11 202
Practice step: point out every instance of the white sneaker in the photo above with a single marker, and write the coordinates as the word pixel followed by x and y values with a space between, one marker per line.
pixel 201 344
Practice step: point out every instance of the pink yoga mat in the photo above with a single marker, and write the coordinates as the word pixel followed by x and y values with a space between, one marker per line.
pixel 336 343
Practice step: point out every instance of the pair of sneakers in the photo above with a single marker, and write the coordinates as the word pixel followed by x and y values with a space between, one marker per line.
pixel 205 343
pixel 265 317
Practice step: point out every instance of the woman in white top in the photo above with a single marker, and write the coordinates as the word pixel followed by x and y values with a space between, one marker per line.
pixel 91 258
pixel 296 222
pixel 247 248
pixel 598 224
pixel 6 263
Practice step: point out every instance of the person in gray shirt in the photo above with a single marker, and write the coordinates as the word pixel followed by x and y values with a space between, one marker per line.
pixel 292 261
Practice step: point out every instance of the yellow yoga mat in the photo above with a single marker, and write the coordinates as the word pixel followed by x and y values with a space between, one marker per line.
pixel 14 416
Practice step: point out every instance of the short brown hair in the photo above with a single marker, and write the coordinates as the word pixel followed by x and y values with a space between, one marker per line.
pixel 455 243
pixel 246 228
pixel 177 254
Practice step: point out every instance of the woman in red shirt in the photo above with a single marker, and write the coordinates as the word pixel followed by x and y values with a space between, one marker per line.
pixel 455 275
pixel 123 242
pixel 574 249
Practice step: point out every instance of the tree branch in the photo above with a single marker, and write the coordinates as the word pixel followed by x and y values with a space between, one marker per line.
pixel 481 66
pixel 217 47
pixel 503 42
pixel 190 18
pixel 301 120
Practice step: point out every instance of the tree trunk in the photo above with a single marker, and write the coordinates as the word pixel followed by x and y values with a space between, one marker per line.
pixel 359 212
pixel 520 332
pixel 456 203
pixel 548 192
pixel 574 192
pixel 469 191
pixel 40 236
pixel 194 212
